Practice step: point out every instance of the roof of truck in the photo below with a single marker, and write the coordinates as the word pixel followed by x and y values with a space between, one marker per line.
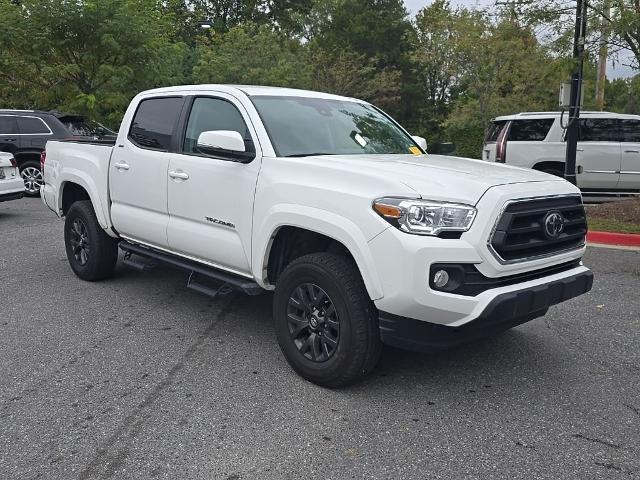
pixel 251 90
pixel 584 113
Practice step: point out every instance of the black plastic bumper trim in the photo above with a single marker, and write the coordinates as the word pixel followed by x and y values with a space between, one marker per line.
pixel 5 197
pixel 505 311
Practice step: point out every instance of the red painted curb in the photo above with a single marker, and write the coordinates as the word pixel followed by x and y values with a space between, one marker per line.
pixel 610 238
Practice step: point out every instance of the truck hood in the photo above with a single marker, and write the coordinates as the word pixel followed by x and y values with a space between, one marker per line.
pixel 437 177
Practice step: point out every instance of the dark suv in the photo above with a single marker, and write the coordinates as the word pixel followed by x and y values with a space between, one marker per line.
pixel 24 133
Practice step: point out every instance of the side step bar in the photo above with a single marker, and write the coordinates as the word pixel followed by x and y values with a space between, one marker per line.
pixel 200 276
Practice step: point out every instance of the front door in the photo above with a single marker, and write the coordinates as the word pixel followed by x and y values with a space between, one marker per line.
pixel 211 197
pixel 599 154
pixel 138 172
pixel 630 167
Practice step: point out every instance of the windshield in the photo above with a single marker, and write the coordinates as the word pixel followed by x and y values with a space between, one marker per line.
pixel 300 126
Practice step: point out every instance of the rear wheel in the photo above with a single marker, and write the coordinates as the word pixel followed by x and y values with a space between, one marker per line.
pixel 92 253
pixel 325 322
pixel 32 177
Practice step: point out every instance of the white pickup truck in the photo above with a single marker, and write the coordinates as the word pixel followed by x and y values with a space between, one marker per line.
pixel 364 238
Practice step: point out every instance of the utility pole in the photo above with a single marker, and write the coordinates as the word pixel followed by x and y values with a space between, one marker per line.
pixel 573 128
pixel 602 55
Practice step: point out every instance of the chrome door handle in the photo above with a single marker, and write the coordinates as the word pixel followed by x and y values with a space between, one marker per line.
pixel 579 149
pixel 631 151
pixel 179 175
pixel 121 166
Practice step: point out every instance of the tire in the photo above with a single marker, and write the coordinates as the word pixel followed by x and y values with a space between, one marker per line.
pixel 357 338
pixel 32 177
pixel 554 171
pixel 92 253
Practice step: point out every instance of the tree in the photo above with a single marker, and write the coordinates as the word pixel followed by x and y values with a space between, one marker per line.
pixel 90 57
pixel 252 54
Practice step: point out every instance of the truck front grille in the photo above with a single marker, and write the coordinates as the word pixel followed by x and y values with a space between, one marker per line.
pixel 539 227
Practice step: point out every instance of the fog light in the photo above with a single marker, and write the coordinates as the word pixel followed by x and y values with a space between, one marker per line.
pixel 440 279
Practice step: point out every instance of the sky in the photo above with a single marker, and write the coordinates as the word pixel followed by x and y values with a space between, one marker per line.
pixel 613 70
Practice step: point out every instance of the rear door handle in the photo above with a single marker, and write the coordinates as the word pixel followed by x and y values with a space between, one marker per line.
pixel 121 166
pixel 179 175
pixel 579 149
pixel 631 151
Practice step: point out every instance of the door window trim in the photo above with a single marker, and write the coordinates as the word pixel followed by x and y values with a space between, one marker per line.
pixel 184 123
pixel 16 117
pixel 174 130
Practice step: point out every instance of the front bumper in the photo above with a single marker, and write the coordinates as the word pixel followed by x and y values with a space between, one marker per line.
pixel 505 311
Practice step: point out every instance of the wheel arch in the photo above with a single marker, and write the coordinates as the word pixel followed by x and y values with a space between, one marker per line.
pixel 75 188
pixel 549 165
pixel 312 230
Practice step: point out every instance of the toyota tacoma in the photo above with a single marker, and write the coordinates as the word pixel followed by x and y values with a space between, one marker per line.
pixel 364 238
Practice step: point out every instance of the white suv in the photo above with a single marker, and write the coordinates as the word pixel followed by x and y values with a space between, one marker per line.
pixel 608 159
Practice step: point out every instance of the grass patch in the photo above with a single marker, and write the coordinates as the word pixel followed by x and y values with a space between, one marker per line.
pixel 610 225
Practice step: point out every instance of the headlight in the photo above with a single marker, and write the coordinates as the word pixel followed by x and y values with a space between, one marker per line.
pixel 425 217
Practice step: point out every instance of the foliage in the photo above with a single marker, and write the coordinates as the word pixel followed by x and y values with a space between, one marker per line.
pixel 443 74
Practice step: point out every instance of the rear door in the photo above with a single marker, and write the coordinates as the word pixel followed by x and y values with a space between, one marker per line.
pixel 630 166
pixel 34 133
pixel 599 153
pixel 211 197
pixel 138 171
pixel 8 134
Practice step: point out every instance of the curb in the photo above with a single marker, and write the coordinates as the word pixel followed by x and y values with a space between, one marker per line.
pixel 610 238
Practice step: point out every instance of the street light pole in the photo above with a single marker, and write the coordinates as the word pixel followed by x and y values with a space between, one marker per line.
pixel 573 128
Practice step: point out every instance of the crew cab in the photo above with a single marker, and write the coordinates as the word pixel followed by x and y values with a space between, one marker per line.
pixel 329 203
pixel 608 156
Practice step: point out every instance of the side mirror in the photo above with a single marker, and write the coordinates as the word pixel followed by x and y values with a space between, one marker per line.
pixel 420 141
pixel 220 142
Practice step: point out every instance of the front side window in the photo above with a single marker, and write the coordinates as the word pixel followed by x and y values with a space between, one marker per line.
pixel 8 125
pixel 154 122
pixel 208 114
pixel 301 126
pixel 630 130
pixel 598 130
pixel 31 126
pixel 534 130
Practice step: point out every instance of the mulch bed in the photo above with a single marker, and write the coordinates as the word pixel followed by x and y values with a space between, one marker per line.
pixel 627 211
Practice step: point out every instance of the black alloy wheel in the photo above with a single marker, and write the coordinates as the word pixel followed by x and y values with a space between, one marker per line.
pixel 79 239
pixel 313 322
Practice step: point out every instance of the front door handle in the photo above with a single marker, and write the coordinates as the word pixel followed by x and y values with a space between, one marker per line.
pixel 579 149
pixel 121 166
pixel 631 151
pixel 179 175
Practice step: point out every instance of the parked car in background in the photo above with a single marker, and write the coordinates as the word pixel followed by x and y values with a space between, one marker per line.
pixel 608 157
pixel 11 185
pixel 81 126
pixel 24 133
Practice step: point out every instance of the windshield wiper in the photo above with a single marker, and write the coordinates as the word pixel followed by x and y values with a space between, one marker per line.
pixel 307 154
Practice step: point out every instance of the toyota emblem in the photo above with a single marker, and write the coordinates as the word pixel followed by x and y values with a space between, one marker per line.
pixel 553 225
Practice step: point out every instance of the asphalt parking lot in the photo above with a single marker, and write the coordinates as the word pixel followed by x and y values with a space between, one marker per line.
pixel 138 377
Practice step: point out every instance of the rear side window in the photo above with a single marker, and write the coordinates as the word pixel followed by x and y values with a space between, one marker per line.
pixel 534 130
pixel 212 114
pixel 599 130
pixel 154 122
pixel 8 125
pixel 32 126
pixel 630 130
pixel 494 131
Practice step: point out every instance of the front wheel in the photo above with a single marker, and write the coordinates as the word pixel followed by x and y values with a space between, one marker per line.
pixel 32 178
pixel 325 322
pixel 92 253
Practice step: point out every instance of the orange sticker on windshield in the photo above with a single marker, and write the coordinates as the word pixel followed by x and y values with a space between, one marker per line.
pixel 415 150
